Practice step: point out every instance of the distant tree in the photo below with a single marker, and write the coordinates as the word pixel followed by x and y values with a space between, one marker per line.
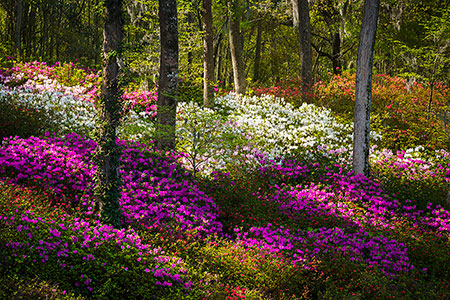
pixel 236 47
pixel 330 27
pixel 363 90
pixel 257 60
pixel 208 53
pixel 302 25
pixel 168 75
pixel 107 158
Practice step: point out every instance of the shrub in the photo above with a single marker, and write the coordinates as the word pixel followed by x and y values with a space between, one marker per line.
pixel 95 260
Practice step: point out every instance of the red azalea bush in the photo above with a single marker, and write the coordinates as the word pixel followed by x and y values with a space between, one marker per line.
pixel 399 109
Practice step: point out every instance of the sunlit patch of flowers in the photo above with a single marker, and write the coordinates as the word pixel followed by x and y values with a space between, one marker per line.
pixel 240 128
pixel 277 127
pixel 64 78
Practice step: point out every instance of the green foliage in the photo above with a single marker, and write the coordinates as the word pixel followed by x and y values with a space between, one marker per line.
pixel 252 273
pixel 18 287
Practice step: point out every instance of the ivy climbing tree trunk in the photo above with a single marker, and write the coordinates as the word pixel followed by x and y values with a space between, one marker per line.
pixel 168 75
pixel 302 25
pixel 363 91
pixel 236 48
pixel 108 182
pixel 208 54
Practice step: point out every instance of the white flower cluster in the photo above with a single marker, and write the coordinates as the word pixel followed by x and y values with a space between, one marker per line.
pixel 69 114
pixel 240 127
pixel 279 128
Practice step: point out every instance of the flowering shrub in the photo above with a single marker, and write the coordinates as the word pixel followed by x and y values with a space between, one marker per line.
pixel 60 112
pixel 93 259
pixel 64 78
pixel 399 109
pixel 415 177
pixel 156 191
pixel 277 127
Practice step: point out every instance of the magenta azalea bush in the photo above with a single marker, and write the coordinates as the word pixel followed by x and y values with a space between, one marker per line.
pixel 156 190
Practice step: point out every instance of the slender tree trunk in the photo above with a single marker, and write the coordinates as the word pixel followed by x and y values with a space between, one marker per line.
pixel 336 55
pixel 257 62
pixel 236 49
pixel 168 75
pixel 108 153
pixel 189 20
pixel 219 64
pixel 302 25
pixel 363 90
pixel 208 53
pixel 18 27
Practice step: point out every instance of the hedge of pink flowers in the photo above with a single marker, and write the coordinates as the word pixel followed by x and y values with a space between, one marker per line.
pixel 336 213
pixel 68 242
pixel 156 190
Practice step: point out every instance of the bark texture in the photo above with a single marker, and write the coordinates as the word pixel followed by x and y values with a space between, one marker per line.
pixel 236 49
pixel 168 75
pixel 363 90
pixel 208 54
pixel 302 25
pixel 107 190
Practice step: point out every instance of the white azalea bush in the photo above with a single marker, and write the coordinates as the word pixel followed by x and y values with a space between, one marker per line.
pixel 65 113
pixel 208 141
pixel 279 128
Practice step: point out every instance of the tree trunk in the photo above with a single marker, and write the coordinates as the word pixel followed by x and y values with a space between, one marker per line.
pixel 302 25
pixel 18 27
pixel 236 49
pixel 257 53
pixel 219 64
pixel 108 153
pixel 208 53
pixel 168 75
pixel 363 90
pixel 336 55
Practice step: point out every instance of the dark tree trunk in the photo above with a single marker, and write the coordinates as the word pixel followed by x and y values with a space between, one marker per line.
pixel 18 27
pixel 302 25
pixel 257 62
pixel 217 57
pixel 236 49
pixel 108 153
pixel 208 53
pixel 168 75
pixel 336 55
pixel 219 64
pixel 363 90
